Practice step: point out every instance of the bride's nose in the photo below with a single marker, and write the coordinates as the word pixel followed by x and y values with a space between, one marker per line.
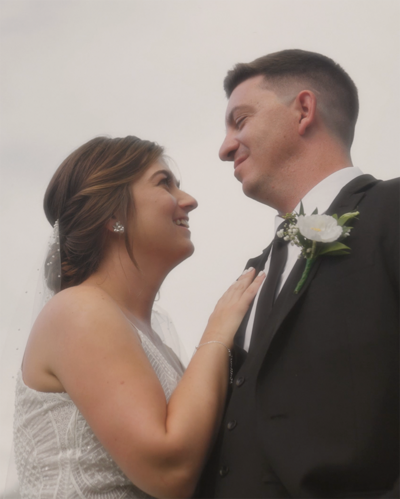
pixel 187 202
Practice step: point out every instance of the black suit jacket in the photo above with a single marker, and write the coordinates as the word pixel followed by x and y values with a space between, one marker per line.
pixel 314 409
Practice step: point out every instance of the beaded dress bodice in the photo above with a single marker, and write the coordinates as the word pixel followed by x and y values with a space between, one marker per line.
pixel 57 454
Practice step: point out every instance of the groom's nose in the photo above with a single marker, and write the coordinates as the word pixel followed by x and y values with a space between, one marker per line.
pixel 228 148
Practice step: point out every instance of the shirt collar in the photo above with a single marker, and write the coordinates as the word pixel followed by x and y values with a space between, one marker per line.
pixel 322 195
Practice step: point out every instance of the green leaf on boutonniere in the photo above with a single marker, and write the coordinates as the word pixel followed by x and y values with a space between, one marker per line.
pixel 346 217
pixel 334 248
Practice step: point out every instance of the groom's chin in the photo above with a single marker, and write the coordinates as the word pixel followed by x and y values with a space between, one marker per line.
pixel 253 192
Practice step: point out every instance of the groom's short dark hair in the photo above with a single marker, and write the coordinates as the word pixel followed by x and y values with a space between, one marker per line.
pixel 337 94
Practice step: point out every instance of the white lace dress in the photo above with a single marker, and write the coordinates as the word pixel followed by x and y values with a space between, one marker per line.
pixel 57 454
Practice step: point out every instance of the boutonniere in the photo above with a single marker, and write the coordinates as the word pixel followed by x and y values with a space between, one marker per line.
pixel 316 235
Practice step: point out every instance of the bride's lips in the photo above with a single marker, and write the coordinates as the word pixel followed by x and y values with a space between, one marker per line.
pixel 182 222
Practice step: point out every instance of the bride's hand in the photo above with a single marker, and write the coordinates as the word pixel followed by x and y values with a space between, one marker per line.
pixel 231 308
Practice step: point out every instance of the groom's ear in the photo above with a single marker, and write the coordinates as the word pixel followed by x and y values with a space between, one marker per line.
pixel 306 106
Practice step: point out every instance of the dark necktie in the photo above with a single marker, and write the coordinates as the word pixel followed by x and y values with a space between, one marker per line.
pixel 267 296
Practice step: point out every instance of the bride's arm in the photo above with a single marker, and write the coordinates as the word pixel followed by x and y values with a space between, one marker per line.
pixel 100 363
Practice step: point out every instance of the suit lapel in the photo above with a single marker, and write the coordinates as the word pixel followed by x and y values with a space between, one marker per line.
pixel 351 195
pixel 258 263
pixel 346 201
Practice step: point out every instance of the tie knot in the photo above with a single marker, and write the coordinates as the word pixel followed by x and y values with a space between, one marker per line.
pixel 279 242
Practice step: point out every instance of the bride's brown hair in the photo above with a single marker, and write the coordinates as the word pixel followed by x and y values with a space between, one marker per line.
pixel 87 189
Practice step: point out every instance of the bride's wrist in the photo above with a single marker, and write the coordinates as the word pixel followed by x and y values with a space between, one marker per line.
pixel 219 344
pixel 212 335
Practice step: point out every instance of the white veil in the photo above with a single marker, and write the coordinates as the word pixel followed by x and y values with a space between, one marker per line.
pixel 44 282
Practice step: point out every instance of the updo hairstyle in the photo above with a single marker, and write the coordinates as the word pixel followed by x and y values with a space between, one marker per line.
pixel 87 189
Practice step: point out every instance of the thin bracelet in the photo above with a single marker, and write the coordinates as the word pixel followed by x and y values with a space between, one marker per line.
pixel 230 357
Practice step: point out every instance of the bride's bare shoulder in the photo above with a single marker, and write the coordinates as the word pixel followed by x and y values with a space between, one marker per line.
pixel 80 305
pixel 87 293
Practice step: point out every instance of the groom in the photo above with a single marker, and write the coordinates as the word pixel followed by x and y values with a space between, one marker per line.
pixel 314 409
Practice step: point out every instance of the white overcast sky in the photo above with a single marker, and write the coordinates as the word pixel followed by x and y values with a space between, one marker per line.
pixel 75 69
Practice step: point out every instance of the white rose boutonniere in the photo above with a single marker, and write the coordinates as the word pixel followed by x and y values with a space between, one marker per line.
pixel 319 228
pixel 316 235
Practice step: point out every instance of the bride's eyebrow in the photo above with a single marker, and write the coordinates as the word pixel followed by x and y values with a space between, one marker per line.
pixel 168 174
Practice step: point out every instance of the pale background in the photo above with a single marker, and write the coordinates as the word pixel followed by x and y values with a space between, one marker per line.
pixel 72 70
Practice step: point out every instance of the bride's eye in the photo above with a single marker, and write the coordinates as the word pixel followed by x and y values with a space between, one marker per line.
pixel 165 181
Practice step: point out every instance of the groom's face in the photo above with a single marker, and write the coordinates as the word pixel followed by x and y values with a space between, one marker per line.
pixel 261 135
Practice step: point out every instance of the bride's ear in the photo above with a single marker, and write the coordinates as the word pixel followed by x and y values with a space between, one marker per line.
pixel 110 225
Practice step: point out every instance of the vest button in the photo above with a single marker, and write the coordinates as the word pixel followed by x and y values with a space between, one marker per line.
pixel 240 380
pixel 231 425
pixel 224 470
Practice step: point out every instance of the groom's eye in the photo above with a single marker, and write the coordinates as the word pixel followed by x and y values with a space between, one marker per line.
pixel 239 122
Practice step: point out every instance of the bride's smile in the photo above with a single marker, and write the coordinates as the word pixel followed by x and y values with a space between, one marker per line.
pixel 183 222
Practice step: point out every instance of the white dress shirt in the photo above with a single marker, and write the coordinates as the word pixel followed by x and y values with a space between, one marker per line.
pixel 321 196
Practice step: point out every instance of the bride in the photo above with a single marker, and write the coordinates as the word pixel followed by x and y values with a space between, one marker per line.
pixel 103 408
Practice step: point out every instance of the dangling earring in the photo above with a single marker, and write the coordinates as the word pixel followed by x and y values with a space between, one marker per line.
pixel 118 228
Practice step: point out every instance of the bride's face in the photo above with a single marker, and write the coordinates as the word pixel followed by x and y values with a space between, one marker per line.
pixel 161 219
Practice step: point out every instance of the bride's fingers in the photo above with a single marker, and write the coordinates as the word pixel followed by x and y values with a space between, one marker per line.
pixel 233 305
pixel 251 291
pixel 238 287
pixel 247 272
pixel 247 281
pixel 244 289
